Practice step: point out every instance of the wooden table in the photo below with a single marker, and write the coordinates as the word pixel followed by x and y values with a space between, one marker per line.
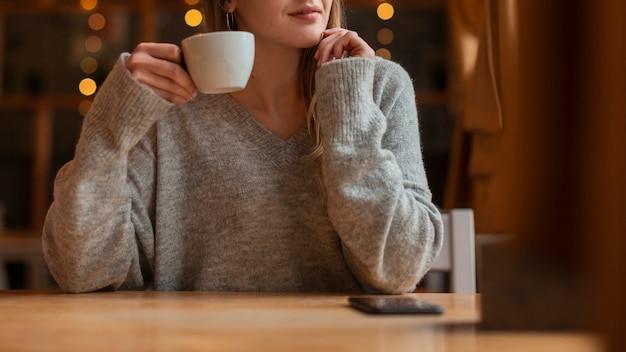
pixel 196 321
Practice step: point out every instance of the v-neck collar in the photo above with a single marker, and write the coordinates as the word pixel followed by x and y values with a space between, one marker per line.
pixel 282 152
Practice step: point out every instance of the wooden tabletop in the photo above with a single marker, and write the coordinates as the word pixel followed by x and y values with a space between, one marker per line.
pixel 197 321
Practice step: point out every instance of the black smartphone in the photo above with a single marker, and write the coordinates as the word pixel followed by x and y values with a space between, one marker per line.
pixel 394 305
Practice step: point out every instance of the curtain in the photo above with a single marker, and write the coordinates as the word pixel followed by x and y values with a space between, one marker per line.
pixel 483 67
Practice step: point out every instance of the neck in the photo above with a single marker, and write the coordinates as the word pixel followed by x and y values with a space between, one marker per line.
pixel 274 94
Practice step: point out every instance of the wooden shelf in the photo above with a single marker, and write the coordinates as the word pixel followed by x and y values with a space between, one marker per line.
pixel 25 101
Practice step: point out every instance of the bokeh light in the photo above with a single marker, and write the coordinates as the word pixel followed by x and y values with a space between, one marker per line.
pixel 193 18
pixel 93 44
pixel 384 53
pixel 385 11
pixel 84 106
pixel 97 21
pixel 192 2
pixel 89 65
pixel 87 87
pixel 385 36
pixel 88 4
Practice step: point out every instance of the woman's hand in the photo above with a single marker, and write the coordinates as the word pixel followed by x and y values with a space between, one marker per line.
pixel 158 66
pixel 338 43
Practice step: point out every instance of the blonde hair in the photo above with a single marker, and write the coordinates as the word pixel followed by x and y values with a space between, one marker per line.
pixel 215 20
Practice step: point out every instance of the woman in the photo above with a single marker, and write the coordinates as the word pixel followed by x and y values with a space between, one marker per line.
pixel 309 179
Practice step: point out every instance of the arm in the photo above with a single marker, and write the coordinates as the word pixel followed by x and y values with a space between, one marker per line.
pixel 378 197
pixel 97 233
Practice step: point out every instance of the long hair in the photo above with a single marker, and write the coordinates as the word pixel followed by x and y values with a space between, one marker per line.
pixel 215 20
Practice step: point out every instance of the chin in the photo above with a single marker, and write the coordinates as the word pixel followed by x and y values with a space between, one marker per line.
pixel 311 41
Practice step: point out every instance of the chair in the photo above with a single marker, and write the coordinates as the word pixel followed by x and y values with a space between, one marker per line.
pixel 4 280
pixel 26 250
pixel 457 259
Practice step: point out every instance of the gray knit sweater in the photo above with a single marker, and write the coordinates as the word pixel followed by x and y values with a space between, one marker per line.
pixel 199 196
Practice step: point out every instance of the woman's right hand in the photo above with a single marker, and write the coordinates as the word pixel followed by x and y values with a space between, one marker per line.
pixel 158 66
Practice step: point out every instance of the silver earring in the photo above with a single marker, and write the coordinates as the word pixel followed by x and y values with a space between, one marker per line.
pixel 230 21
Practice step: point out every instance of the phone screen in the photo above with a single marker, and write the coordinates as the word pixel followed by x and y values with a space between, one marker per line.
pixel 394 305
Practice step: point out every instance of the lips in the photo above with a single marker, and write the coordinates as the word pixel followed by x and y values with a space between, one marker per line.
pixel 306 11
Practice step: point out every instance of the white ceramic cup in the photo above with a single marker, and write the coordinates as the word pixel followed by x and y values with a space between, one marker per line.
pixel 219 62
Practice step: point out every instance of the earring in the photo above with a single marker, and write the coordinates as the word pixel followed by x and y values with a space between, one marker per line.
pixel 230 21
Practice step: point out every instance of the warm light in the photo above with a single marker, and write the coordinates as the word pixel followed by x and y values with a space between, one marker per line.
pixel 384 53
pixel 83 107
pixel 89 65
pixel 192 2
pixel 88 4
pixel 193 18
pixel 93 44
pixel 385 11
pixel 385 36
pixel 97 21
pixel 87 87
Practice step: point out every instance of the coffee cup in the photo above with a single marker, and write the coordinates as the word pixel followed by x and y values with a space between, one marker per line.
pixel 219 62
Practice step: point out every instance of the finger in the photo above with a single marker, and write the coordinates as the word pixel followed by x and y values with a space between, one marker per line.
pixel 156 74
pixel 331 31
pixel 324 49
pixel 163 86
pixel 324 42
pixel 331 48
pixel 350 42
pixel 160 73
pixel 358 47
pixel 169 96
pixel 343 43
pixel 171 53
pixel 340 46
pixel 164 51
pixel 183 84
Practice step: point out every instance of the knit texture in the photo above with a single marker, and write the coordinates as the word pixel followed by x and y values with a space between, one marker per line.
pixel 200 196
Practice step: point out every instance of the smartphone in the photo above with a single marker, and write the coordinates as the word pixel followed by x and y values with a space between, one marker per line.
pixel 393 305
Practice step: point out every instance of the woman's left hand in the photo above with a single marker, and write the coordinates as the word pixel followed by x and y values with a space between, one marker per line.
pixel 338 43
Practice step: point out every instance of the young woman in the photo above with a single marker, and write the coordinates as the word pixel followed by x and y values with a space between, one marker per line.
pixel 309 179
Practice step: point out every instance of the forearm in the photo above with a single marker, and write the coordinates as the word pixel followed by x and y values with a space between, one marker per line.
pixel 89 239
pixel 86 242
pixel 378 198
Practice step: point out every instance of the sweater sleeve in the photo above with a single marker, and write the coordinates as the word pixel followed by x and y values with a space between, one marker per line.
pixel 378 196
pixel 90 236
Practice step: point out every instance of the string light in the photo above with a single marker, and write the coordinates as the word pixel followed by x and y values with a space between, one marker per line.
pixel 93 44
pixel 193 18
pixel 88 5
pixel 97 21
pixel 385 11
pixel 385 36
pixel 89 65
pixel 84 106
pixel 384 53
pixel 87 87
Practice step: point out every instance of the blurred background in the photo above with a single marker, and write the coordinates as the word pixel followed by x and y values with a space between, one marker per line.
pixel 522 119
pixel 54 54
